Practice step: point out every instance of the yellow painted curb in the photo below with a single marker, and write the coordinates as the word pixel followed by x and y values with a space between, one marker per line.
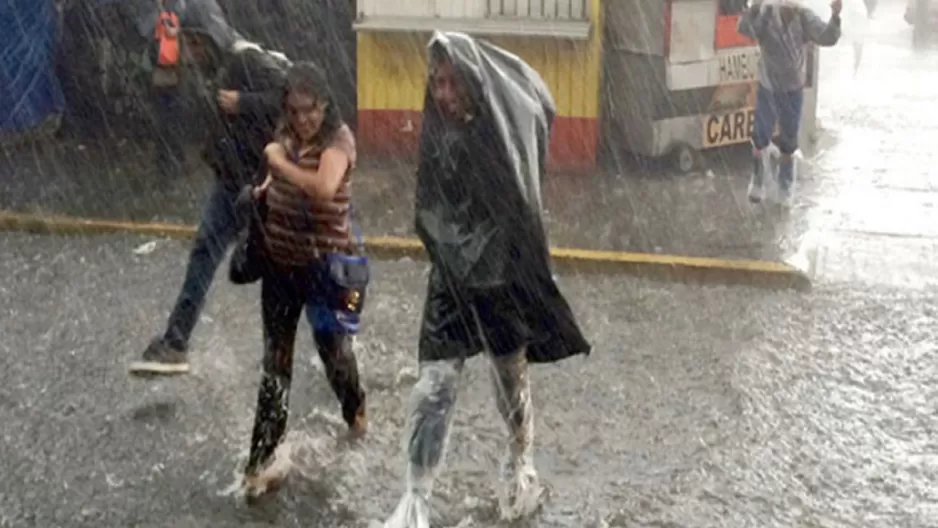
pixel 667 267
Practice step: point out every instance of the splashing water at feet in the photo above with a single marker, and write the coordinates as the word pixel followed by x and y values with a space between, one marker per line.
pixel 521 494
pixel 320 450
pixel 412 512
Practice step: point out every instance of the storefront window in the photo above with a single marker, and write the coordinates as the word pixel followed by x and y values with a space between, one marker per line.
pixel 567 19
pixel 545 9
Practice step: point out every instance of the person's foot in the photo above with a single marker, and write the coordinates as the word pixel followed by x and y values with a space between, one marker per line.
pixel 756 189
pixel 161 358
pixel 267 480
pixel 412 512
pixel 786 181
pixel 785 196
pixel 521 496
pixel 359 427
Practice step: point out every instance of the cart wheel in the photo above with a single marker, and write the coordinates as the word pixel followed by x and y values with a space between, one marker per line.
pixel 685 158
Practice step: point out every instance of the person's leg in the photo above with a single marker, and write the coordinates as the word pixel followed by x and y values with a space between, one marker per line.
pixel 499 319
pixel 431 414
pixel 334 342
pixel 789 106
pixel 281 306
pixel 766 118
pixel 447 338
pixel 513 398
pixel 217 230
pixel 338 359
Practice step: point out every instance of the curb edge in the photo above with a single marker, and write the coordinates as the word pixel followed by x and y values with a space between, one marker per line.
pixel 674 268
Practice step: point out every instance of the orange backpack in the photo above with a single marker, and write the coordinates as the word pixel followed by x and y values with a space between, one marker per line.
pixel 167 34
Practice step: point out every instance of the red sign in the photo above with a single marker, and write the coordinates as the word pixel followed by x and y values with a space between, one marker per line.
pixel 726 34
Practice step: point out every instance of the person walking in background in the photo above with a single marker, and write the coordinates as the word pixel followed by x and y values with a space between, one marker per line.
pixel 784 30
pixel 243 87
pixel 165 82
pixel 483 146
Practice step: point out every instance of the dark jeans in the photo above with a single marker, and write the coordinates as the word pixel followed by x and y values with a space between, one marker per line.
pixel 218 229
pixel 170 114
pixel 782 108
pixel 285 292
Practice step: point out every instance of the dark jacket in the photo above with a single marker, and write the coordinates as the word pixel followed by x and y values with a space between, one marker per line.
pixel 784 47
pixel 235 144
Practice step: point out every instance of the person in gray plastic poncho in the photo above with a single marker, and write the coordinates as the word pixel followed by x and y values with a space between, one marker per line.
pixel 486 125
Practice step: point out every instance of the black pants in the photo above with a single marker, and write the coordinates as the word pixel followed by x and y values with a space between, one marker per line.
pixel 285 292
pixel 217 230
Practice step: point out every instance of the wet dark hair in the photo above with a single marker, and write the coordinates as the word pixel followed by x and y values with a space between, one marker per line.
pixel 307 78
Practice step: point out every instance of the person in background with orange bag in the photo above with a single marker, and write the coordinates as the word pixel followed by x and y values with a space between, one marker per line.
pixel 170 152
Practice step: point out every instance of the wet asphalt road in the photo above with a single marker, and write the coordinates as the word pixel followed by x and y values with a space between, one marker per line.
pixel 700 406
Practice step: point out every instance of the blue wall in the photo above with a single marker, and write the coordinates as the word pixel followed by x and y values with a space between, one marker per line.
pixel 29 90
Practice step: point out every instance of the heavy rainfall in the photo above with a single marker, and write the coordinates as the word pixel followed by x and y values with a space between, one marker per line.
pixel 735 326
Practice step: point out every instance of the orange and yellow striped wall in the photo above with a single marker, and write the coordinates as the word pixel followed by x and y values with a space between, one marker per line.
pixel 392 69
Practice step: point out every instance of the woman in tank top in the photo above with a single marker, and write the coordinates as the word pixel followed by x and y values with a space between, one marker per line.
pixel 306 192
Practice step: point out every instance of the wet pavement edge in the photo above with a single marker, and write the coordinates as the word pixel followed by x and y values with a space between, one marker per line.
pixel 673 268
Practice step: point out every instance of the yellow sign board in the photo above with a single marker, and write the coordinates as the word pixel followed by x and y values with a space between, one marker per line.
pixel 730 128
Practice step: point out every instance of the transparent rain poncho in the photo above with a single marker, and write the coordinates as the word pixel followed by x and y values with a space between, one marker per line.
pixel 479 216
pixel 428 430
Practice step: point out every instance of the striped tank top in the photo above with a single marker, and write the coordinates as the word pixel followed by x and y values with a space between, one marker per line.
pixel 300 229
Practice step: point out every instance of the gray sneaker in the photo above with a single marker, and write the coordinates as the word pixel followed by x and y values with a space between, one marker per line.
pixel 786 182
pixel 161 359
pixel 756 190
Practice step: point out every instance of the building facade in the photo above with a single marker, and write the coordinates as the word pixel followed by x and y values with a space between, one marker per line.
pixel 561 39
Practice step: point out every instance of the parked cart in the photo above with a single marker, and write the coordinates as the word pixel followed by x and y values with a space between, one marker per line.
pixel 679 79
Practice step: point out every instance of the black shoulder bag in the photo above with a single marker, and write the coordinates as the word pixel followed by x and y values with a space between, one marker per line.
pixel 248 258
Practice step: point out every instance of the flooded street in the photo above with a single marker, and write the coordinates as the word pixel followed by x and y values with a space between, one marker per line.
pixel 700 407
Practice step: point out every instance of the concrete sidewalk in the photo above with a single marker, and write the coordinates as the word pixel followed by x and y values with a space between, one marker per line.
pixel 629 209
pixel 865 192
